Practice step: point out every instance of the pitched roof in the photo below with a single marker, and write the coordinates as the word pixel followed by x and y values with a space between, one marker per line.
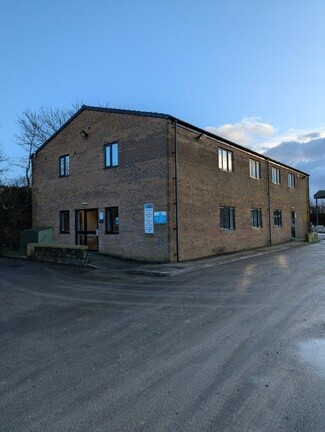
pixel 167 117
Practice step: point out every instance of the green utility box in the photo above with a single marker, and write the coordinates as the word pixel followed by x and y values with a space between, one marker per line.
pixel 42 235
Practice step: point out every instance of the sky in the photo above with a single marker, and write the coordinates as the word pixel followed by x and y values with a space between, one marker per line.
pixel 252 71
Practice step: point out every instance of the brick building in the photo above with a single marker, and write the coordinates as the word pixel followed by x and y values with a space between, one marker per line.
pixel 149 186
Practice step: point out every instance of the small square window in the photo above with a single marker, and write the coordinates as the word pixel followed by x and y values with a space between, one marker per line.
pixel 112 220
pixel 64 222
pixel 111 155
pixel 227 218
pixel 64 165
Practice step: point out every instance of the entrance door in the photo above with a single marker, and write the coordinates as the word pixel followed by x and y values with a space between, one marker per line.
pixel 293 223
pixel 87 228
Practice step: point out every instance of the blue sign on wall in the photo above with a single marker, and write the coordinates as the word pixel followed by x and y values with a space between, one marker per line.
pixel 160 218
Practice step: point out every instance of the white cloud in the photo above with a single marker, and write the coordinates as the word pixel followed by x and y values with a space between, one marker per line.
pixel 245 132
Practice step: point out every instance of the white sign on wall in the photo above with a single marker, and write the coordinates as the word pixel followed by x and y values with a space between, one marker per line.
pixel 148 219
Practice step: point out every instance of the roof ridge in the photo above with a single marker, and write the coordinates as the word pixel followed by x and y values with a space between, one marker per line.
pixel 126 111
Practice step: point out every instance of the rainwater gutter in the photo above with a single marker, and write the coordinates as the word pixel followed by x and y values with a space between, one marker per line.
pixel 176 190
pixel 269 199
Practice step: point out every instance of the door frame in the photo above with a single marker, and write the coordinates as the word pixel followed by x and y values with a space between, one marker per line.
pixel 85 232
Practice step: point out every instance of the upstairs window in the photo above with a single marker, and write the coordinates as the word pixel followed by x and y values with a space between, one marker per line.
pixel 277 218
pixel 227 218
pixel 254 169
pixel 64 221
pixel 111 155
pixel 112 220
pixel 256 218
pixel 225 160
pixel 276 179
pixel 64 165
pixel 291 180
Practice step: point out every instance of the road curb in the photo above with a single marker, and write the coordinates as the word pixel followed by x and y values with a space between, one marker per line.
pixel 204 266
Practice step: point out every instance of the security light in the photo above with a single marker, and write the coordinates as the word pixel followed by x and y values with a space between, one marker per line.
pixel 84 134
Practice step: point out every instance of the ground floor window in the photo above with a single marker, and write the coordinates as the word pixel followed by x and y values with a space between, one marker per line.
pixel 64 221
pixel 256 218
pixel 227 218
pixel 112 220
pixel 277 218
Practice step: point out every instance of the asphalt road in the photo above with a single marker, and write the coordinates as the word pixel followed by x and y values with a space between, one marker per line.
pixel 239 347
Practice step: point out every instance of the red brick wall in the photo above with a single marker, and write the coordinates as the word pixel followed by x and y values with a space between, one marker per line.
pixel 203 188
pixel 140 178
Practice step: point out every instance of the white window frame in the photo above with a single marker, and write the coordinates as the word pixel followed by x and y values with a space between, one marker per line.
pixel 276 175
pixel 291 181
pixel 225 160
pixel 111 155
pixel 254 169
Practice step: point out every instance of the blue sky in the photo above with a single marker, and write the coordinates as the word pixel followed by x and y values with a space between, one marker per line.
pixel 251 70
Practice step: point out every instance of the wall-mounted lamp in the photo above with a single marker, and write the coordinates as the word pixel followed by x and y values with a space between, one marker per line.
pixel 84 134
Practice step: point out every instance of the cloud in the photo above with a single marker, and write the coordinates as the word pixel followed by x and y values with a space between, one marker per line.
pixel 310 135
pixel 294 152
pixel 300 148
pixel 253 133
pixel 244 132
pixel 306 156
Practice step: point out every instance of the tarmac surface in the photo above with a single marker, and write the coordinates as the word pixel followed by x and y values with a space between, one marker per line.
pixel 114 264
pixel 106 262
pixel 237 347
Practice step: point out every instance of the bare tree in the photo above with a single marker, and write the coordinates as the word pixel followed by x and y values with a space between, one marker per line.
pixel 3 164
pixel 35 127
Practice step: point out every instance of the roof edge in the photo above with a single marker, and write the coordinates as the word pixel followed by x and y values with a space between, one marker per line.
pixel 166 117
pixel 103 109
pixel 240 147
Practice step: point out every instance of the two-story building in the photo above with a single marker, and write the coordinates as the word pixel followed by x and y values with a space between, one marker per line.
pixel 149 186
